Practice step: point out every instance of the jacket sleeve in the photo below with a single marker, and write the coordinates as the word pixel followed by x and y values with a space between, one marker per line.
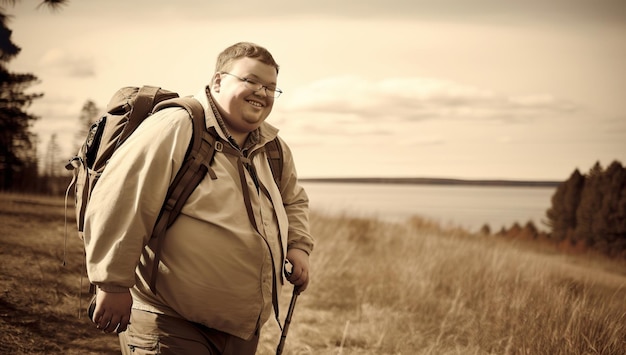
pixel 296 204
pixel 127 199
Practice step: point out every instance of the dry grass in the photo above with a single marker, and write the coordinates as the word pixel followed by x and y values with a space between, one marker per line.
pixel 422 289
pixel 378 288
pixel 39 301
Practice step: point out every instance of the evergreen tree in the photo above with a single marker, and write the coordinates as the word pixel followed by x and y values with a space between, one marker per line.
pixel 592 209
pixel 88 115
pixel 565 202
pixel 52 4
pixel 590 203
pixel 26 178
pixel 52 163
pixel 620 222
pixel 15 139
pixel 529 231
pixel 609 223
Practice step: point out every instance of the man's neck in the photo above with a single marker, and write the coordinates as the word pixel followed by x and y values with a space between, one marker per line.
pixel 238 138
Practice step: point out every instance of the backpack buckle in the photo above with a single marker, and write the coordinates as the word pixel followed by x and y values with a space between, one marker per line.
pixel 73 163
pixel 219 146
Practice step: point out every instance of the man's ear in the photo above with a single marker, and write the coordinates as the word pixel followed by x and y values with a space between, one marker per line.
pixel 216 83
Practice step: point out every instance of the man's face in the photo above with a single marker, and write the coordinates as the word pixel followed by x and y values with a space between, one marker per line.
pixel 242 108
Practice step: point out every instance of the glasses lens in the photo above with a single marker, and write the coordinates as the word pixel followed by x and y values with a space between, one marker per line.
pixel 253 85
pixel 270 91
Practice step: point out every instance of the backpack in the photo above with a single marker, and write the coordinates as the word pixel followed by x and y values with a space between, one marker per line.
pixel 127 109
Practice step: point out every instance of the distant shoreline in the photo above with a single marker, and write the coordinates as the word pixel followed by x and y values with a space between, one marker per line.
pixel 436 181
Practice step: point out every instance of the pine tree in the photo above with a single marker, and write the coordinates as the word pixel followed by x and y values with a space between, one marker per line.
pixel 17 143
pixel 52 162
pixel 26 178
pixel 620 224
pixel 592 209
pixel 88 115
pixel 609 225
pixel 589 207
pixel 565 201
pixel 51 4
pixel 15 139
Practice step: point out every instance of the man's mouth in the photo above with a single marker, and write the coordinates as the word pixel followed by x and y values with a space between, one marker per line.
pixel 255 103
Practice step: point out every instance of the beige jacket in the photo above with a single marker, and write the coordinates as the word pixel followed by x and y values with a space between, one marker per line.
pixel 216 269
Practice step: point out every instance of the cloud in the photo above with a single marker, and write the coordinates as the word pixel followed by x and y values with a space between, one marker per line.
pixel 563 10
pixel 69 64
pixel 352 100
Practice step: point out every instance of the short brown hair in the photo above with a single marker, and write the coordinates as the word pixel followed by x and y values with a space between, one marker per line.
pixel 241 50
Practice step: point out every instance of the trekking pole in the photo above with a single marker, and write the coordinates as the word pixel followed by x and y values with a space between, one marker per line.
pixel 283 335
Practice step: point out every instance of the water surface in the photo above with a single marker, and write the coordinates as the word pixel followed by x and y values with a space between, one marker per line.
pixel 467 206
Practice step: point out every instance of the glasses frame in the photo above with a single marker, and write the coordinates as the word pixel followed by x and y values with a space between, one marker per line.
pixel 256 86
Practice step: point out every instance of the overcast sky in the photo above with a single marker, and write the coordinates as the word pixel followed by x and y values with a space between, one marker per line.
pixel 450 88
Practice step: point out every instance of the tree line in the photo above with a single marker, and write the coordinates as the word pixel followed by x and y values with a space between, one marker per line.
pixel 17 144
pixel 21 168
pixel 587 212
pixel 590 209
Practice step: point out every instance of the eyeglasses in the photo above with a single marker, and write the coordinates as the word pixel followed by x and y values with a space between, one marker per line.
pixel 271 91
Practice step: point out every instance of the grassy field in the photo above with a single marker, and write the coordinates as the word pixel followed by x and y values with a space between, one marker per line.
pixel 377 288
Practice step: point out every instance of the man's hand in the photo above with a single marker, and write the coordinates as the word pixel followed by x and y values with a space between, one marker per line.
pixel 112 311
pixel 299 259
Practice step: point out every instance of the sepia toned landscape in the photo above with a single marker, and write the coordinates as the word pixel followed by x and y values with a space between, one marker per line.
pixel 378 288
pixel 456 93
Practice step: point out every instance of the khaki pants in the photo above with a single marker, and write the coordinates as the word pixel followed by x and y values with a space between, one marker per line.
pixel 151 333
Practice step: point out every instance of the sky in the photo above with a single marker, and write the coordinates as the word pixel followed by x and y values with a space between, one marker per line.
pixel 469 89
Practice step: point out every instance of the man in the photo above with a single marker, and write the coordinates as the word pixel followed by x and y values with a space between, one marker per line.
pixel 221 263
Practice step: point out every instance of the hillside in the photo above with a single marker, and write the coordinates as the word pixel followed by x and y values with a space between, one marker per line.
pixel 377 288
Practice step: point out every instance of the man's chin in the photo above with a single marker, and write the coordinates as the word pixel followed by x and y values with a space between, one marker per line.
pixel 254 121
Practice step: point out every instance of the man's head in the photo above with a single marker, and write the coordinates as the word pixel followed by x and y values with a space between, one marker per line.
pixel 244 86
pixel 241 50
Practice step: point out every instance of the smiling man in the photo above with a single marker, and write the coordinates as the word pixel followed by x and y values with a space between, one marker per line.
pixel 220 269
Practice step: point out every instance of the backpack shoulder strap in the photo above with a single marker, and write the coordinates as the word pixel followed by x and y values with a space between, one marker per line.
pixel 194 168
pixel 274 151
pixel 197 161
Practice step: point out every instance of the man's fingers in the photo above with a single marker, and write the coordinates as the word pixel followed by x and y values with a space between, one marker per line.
pixel 112 311
pixel 123 324
pixel 103 323
pixel 108 322
pixel 302 288
pixel 101 319
pixel 302 283
pixel 295 274
pixel 115 321
pixel 299 278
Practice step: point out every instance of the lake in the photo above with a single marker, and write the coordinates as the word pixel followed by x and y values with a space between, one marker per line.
pixel 466 206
